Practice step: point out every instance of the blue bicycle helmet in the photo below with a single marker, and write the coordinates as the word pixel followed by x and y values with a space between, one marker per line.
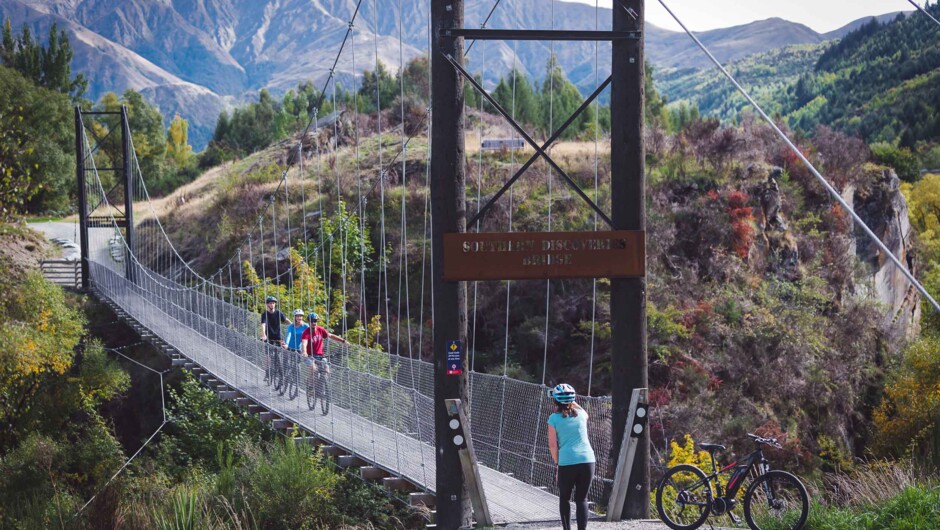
pixel 312 317
pixel 270 299
pixel 563 393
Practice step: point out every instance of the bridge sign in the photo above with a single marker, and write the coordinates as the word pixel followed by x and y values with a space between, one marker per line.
pixel 454 358
pixel 544 255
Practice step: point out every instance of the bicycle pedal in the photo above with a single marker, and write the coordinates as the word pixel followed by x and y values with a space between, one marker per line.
pixel 734 518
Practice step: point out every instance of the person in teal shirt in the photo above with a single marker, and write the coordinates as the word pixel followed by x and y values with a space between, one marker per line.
pixel 296 330
pixel 572 452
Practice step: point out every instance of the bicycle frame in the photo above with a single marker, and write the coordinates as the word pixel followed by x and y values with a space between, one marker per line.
pixel 754 460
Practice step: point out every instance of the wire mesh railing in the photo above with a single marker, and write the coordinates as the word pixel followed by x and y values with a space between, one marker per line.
pixel 382 403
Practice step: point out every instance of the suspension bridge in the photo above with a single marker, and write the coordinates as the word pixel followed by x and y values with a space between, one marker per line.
pixel 382 415
pixel 384 399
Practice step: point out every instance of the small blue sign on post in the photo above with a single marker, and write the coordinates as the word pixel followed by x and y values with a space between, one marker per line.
pixel 454 358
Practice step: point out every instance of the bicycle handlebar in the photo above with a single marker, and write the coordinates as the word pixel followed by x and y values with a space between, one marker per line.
pixel 765 441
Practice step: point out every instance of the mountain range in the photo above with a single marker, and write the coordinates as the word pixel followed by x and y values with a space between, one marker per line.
pixel 195 58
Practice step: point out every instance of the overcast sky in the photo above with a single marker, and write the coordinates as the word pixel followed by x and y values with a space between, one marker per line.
pixel 821 15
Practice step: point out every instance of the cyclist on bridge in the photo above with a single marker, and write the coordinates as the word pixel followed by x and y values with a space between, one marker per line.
pixel 571 450
pixel 271 320
pixel 313 340
pixel 295 331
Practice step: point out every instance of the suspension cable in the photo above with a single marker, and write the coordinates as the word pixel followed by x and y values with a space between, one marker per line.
pixel 924 11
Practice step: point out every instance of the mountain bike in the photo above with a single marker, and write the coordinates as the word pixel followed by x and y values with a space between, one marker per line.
pixel 318 387
pixel 268 360
pixel 775 500
pixel 284 373
pixel 290 370
pixel 275 369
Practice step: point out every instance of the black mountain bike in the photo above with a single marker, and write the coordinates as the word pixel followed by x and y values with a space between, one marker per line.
pixel 271 347
pixel 275 372
pixel 285 368
pixel 775 500
pixel 318 387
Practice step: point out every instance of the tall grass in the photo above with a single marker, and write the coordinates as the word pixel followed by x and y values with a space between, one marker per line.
pixel 878 496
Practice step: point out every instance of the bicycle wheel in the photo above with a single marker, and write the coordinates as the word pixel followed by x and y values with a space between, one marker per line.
pixel 324 388
pixel 684 497
pixel 311 390
pixel 277 371
pixel 293 373
pixel 776 500
pixel 267 369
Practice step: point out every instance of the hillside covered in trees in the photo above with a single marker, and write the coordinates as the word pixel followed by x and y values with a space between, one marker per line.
pixel 879 82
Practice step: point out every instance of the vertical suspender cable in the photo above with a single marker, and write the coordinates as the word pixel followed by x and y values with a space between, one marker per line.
pixel 512 165
pixel 344 240
pixel 290 245
pixel 382 267
pixel 306 300
pixel 596 132
pixel 275 282
pixel 551 124
pixel 264 278
pixel 548 283
pixel 344 226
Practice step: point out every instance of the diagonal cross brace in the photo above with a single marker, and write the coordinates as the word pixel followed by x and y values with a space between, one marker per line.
pixel 539 151
pixel 105 198
pixel 535 156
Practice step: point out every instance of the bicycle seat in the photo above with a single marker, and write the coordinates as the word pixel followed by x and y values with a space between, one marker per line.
pixel 712 447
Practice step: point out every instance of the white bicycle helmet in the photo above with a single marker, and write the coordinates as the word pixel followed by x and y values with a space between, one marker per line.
pixel 562 393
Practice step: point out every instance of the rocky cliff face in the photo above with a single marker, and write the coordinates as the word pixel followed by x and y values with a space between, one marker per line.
pixel 877 199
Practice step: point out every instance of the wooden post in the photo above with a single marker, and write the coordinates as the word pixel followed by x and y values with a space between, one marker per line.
pixel 82 194
pixel 628 199
pixel 618 492
pixel 448 211
pixel 468 460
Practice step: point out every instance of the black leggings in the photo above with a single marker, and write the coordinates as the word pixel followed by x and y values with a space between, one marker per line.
pixel 575 477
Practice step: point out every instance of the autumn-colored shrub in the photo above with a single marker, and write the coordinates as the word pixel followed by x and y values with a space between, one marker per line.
pixel 907 422
pixel 686 453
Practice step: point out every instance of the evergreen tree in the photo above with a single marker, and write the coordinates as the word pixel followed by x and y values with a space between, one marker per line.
pixel 416 79
pixel 472 98
pixel 655 107
pixel 223 128
pixel 380 82
pixel 559 98
pixel 503 95
pixel 48 66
